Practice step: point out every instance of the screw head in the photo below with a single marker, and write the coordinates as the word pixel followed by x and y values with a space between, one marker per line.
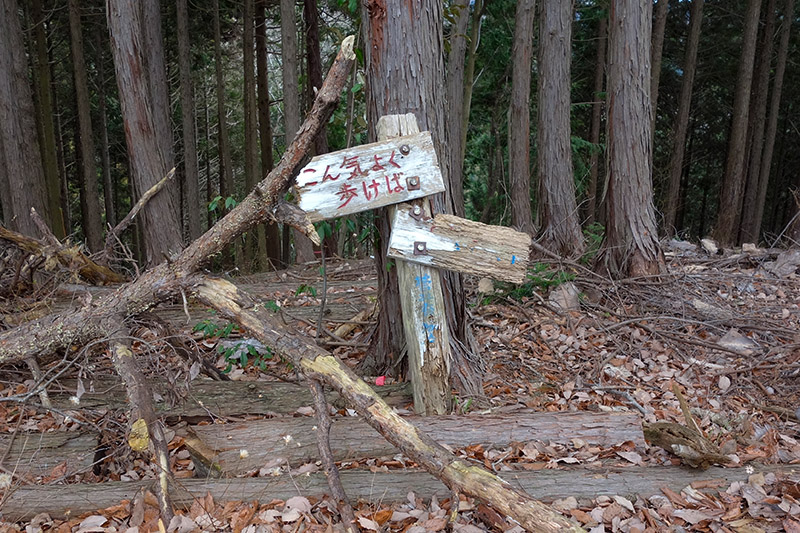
pixel 405 149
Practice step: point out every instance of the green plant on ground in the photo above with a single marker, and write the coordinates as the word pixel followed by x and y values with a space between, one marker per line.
pixel 240 353
pixel 540 278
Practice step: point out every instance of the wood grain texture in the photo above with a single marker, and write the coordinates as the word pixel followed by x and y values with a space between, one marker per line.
pixel 293 439
pixel 369 176
pixel 455 243
pixel 546 485
pixel 207 398
pixel 38 454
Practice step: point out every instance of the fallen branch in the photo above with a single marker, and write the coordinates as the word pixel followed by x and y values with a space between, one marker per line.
pixel 112 235
pixel 70 258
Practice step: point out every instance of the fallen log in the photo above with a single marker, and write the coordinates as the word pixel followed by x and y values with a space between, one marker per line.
pixel 218 399
pixel 584 484
pixel 70 258
pixel 48 455
pixel 293 440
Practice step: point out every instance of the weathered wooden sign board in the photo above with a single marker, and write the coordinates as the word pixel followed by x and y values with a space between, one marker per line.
pixel 369 176
pixel 454 243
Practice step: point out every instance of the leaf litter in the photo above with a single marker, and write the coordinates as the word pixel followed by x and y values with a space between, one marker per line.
pixel 723 329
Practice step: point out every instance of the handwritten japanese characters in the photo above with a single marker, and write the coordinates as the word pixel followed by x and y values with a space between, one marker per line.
pixel 369 176
pixel 453 243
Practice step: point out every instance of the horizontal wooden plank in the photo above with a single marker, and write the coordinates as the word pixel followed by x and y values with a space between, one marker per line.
pixel 584 484
pixel 293 440
pixel 369 176
pixel 213 398
pixel 454 243
pixel 49 455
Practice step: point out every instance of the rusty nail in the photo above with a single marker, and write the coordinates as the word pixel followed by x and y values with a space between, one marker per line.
pixel 420 248
pixel 417 213
pixel 405 149
pixel 412 183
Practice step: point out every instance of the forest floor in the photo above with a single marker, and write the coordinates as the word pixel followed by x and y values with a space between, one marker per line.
pixel 724 329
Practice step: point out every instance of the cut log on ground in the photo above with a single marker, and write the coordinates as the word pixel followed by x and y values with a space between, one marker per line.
pixel 293 440
pixel 214 399
pixel 584 484
pixel 48 455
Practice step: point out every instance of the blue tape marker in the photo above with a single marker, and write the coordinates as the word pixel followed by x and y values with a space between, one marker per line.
pixel 513 259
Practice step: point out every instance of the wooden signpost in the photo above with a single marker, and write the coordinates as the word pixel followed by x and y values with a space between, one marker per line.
pixel 402 167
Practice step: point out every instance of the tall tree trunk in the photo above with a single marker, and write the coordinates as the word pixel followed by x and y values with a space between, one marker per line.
pixel 146 111
pixel 774 111
pixel 405 74
pixel 304 249
pixel 223 143
pixel 657 47
pixel 519 151
pixel 273 236
pixel 455 101
pixel 210 190
pixel 256 247
pixel 682 118
pixel 191 187
pixel 597 118
pixel 87 169
pixel 478 7
pixel 561 229
pixel 105 156
pixel 730 203
pixel 22 162
pixel 630 247
pixel 314 63
pixel 45 120
pixel 758 117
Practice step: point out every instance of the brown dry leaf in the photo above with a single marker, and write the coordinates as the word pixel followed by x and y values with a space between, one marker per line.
pixel 791 526
pixel 382 516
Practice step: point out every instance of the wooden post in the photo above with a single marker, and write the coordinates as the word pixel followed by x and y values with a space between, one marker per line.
pixel 424 321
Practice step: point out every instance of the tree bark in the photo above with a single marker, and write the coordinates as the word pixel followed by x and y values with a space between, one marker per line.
pixel 657 47
pixel 87 173
pixel 223 143
pixel 191 187
pixel 561 230
pixel 682 118
pixel 478 8
pixel 105 156
pixel 774 111
pixel 630 247
pixel 730 203
pixel 597 118
pixel 45 121
pixel 519 166
pixel 145 110
pixel 455 102
pixel 273 237
pixel 758 116
pixel 256 247
pixel 304 251
pixel 26 186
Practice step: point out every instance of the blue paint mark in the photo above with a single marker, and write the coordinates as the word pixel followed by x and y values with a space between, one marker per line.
pixel 458 247
pixel 426 300
pixel 513 259
pixel 498 259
